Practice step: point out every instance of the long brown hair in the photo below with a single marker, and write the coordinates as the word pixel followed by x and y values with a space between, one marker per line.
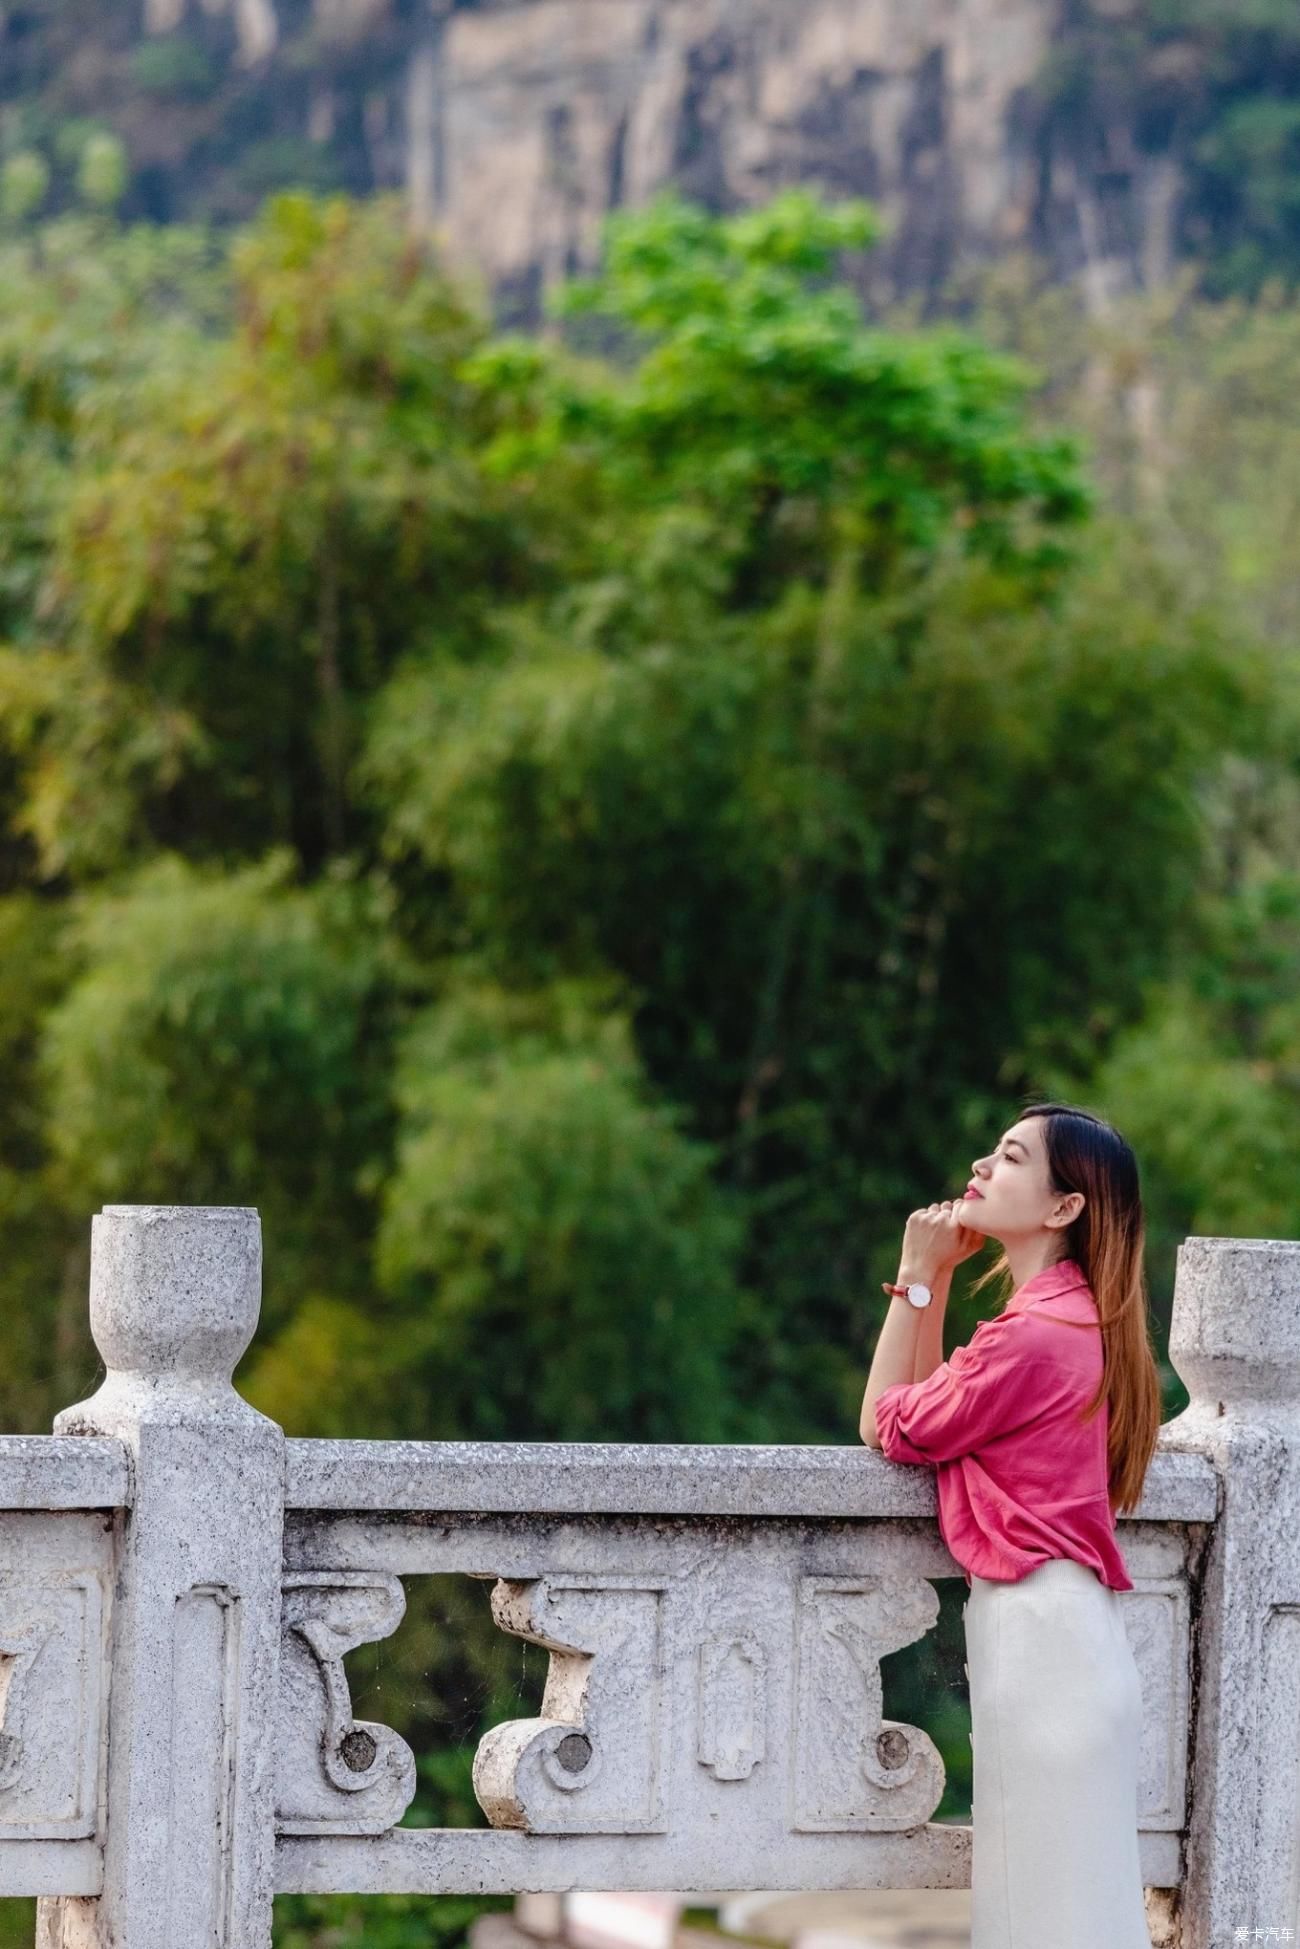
pixel 1107 1241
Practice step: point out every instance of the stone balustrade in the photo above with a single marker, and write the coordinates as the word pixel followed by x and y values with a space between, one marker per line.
pixel 180 1586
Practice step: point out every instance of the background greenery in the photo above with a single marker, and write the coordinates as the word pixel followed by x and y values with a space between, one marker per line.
pixel 584 830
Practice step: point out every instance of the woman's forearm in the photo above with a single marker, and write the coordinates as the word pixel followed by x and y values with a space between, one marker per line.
pixel 898 1350
pixel 929 1345
pixel 899 1347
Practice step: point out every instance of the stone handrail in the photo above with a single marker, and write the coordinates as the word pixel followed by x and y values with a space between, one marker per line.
pixel 180 1586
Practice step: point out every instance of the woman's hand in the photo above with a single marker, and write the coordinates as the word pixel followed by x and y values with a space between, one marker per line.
pixel 934 1241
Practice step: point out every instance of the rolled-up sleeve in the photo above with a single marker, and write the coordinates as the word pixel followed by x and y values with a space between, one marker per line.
pixel 985 1389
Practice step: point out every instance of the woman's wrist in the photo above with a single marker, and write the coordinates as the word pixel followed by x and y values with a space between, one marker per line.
pixel 935 1277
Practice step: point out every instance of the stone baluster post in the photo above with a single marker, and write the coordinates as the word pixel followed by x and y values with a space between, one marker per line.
pixel 1235 1343
pixel 194 1623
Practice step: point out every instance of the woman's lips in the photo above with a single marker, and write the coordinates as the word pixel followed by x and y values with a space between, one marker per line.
pixel 971 1192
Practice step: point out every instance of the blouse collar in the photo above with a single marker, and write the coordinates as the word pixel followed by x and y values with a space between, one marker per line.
pixel 1053 1280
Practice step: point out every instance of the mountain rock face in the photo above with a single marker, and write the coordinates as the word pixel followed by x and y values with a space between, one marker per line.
pixel 525 123
pixel 514 125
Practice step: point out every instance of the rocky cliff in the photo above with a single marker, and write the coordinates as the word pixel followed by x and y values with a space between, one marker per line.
pixel 525 123
pixel 515 124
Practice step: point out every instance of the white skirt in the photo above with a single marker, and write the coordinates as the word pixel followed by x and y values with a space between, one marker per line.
pixel 1056 1710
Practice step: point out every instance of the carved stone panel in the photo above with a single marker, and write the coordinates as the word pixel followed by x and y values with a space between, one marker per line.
pixel 713 1715
pixel 732 1707
pixel 1157 1620
pixel 592 1762
pixel 852 1768
pixel 202 1761
pixel 1275 1838
pixel 336 1774
pixel 51 1693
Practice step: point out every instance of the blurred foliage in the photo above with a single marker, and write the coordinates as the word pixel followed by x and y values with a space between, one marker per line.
pixel 1208 88
pixel 24 182
pixel 102 171
pixel 379 1921
pixel 212 1018
pixel 173 64
pixel 688 698
pixel 586 831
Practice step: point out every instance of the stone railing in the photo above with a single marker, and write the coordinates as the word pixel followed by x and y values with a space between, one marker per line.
pixel 180 1585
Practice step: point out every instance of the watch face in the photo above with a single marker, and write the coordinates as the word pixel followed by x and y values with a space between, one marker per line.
pixel 919 1295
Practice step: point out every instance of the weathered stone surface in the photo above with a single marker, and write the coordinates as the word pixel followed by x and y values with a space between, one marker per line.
pixel 664 1478
pixel 544 115
pixel 52 1472
pixel 56 1573
pixel 337 1774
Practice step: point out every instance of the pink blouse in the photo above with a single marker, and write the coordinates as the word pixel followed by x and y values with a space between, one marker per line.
pixel 1019 1478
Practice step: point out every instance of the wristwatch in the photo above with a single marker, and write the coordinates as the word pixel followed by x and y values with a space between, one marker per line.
pixel 918 1294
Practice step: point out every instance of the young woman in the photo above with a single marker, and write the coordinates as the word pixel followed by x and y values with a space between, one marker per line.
pixel 1039 1429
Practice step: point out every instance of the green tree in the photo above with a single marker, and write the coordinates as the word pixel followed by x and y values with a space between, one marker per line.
pixel 217 1020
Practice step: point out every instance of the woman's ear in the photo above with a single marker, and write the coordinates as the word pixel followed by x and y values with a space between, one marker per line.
pixel 1071 1205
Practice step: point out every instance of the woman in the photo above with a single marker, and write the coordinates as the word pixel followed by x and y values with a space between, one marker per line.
pixel 1039 1430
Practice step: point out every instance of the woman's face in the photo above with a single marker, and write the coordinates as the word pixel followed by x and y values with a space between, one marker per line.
pixel 1015 1198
